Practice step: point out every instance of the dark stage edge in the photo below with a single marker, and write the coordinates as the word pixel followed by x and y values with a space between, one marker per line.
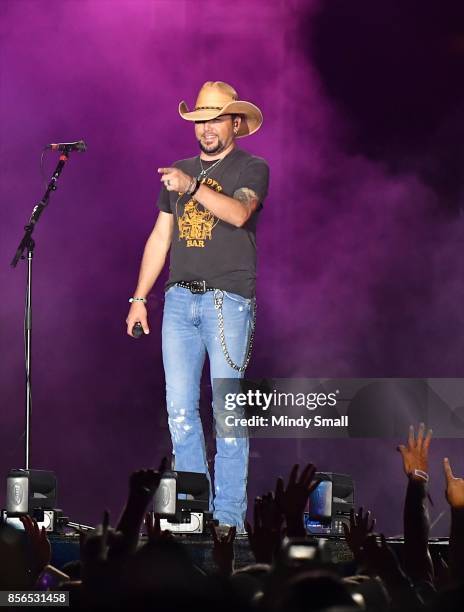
pixel 65 548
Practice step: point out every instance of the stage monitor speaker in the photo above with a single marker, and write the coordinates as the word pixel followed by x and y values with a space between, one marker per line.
pixel 181 492
pixel 329 504
pixel 27 490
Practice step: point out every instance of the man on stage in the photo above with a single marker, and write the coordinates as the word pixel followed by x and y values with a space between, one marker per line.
pixel 209 206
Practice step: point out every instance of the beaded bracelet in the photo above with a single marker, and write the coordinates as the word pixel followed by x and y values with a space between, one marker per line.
pixel 197 187
pixel 192 190
pixel 192 184
pixel 137 299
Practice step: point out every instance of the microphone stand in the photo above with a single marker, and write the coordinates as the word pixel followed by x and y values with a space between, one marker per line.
pixel 27 244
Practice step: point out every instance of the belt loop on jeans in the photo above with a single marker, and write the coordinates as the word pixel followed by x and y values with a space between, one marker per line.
pixel 196 286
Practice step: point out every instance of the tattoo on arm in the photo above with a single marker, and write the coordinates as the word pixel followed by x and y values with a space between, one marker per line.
pixel 248 198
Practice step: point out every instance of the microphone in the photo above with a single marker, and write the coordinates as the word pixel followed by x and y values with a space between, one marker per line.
pixel 68 147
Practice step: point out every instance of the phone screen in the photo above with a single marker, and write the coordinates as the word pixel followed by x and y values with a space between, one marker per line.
pixel 302 552
pixel 13 522
pixel 320 502
pixel 317 527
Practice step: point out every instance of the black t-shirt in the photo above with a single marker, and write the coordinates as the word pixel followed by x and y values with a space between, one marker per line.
pixel 206 248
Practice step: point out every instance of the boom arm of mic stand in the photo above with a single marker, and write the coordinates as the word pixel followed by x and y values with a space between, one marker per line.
pixel 26 240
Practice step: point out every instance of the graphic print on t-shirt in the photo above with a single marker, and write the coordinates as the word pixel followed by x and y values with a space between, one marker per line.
pixel 196 224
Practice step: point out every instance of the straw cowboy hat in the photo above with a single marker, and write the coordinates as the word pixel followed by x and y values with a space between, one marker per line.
pixel 218 98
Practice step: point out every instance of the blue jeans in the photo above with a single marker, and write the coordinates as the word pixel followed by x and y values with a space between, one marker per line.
pixel 190 330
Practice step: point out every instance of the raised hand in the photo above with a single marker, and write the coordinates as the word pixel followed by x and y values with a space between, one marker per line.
pixel 416 454
pixel 381 559
pixel 416 555
pixel 455 497
pixel 40 544
pixel 153 528
pixel 361 525
pixel 454 487
pixel 94 545
pixel 144 483
pixel 271 513
pixel 142 487
pixel 223 549
pixel 175 180
pixel 293 498
pixel 265 535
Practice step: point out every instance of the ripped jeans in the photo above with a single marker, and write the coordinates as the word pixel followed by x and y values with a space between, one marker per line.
pixel 190 330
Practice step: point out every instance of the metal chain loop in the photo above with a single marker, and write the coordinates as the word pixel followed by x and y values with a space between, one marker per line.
pixel 218 301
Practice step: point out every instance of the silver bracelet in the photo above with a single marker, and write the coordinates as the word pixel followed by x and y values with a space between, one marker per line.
pixel 138 299
pixel 422 475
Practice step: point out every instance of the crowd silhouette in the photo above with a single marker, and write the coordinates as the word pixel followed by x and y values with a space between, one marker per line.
pixel 120 570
